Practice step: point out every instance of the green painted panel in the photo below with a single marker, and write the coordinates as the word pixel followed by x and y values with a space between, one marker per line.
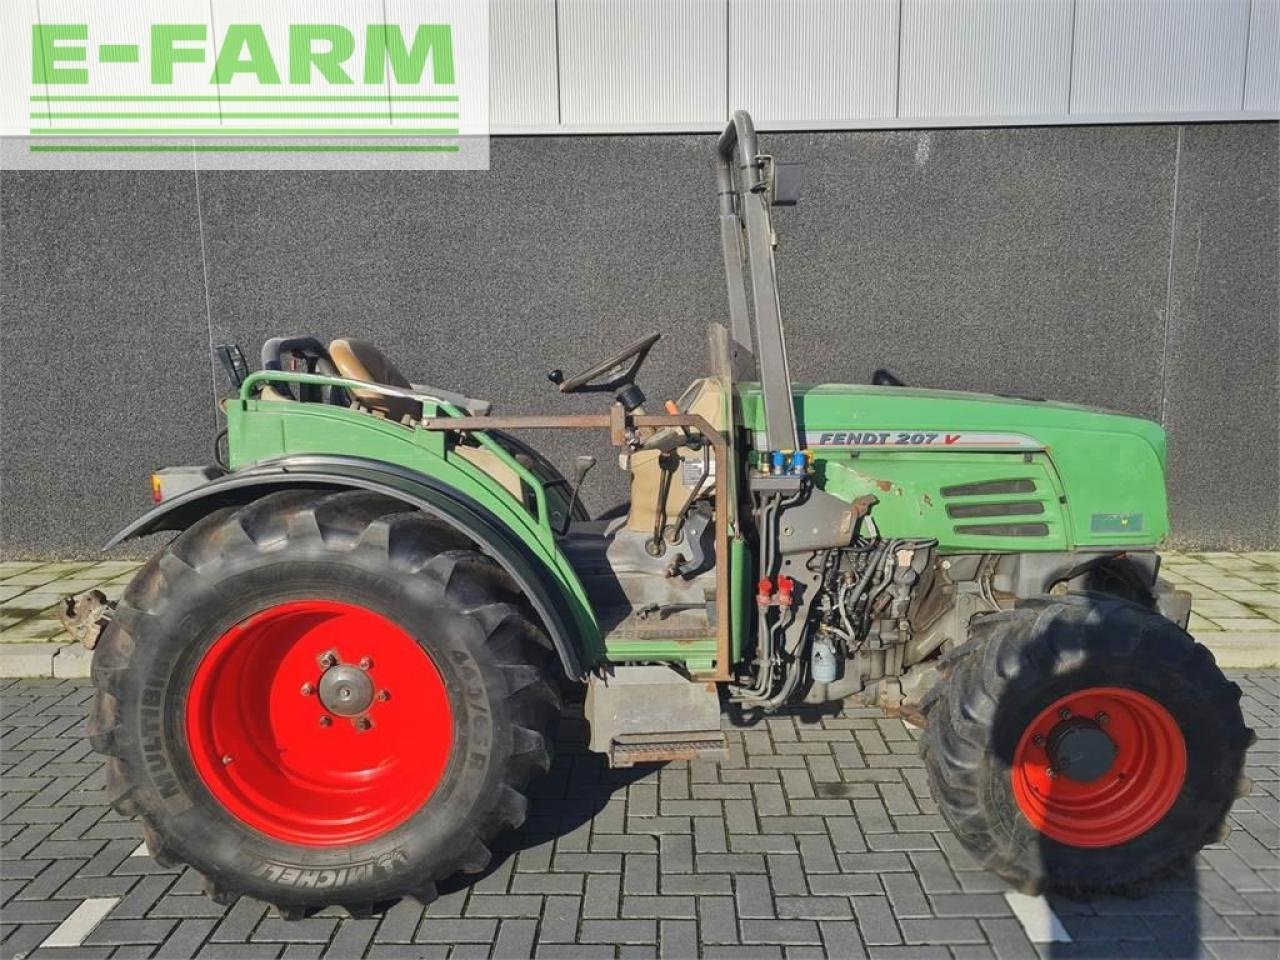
pixel 891 439
pixel 742 575
pixel 259 430
pixel 698 654
pixel 910 503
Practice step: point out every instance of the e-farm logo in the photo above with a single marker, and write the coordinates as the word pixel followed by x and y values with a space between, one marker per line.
pixel 406 85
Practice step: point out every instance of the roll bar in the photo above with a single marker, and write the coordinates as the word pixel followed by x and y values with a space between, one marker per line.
pixel 744 182
pixel 740 134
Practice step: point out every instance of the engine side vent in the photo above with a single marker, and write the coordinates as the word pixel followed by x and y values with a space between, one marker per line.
pixel 1004 529
pixel 1011 508
pixel 985 487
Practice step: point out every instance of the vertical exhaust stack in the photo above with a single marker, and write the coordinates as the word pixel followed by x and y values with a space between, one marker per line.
pixel 746 187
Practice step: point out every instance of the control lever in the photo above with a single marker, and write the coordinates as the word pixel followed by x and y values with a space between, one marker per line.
pixel 673 409
pixel 581 467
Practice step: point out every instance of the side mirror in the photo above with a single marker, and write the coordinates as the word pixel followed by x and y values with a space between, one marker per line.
pixel 785 188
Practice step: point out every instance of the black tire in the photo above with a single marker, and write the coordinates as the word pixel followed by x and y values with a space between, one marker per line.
pixel 498 669
pixel 1021 661
pixel 1119 578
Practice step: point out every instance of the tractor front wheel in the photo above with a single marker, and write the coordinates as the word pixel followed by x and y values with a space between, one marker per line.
pixel 320 699
pixel 1083 744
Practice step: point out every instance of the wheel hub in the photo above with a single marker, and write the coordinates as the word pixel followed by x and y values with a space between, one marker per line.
pixel 1080 749
pixel 319 723
pixel 345 690
pixel 1099 767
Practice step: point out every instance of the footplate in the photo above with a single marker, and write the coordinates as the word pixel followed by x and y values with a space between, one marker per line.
pixel 652 714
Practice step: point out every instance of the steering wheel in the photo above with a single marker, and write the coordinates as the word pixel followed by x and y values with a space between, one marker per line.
pixel 620 369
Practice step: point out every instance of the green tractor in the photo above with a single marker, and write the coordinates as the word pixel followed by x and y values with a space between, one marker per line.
pixel 335 683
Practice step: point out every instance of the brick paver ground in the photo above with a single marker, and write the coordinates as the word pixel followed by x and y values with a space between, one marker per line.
pixel 817 837
pixel 1236 608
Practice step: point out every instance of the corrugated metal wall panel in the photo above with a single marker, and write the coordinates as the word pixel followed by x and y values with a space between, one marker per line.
pixel 1262 70
pixel 671 65
pixel 964 58
pixel 634 62
pixel 523 86
pixel 1157 56
pixel 813 59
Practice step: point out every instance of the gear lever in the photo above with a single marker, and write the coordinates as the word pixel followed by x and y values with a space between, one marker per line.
pixel 581 467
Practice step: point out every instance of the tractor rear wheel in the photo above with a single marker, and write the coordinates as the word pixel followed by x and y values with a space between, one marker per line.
pixel 320 699
pixel 1083 744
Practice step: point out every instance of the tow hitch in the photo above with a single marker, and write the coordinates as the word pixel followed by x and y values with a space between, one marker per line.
pixel 86 615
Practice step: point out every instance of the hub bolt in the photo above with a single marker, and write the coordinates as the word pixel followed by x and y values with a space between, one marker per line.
pixel 307 690
pixel 365 663
pixel 1064 713
pixel 1101 719
pixel 384 695
pixel 363 723
pixel 328 659
pixel 226 759
pixel 1050 772
pixel 1038 740
pixel 325 721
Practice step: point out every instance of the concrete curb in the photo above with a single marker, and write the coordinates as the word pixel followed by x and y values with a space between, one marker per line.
pixel 68 661
pixel 1239 649
pixel 1243 649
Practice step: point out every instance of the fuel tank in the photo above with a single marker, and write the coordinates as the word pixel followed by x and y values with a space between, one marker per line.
pixel 982 472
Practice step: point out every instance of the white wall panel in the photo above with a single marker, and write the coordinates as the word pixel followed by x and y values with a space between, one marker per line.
pixel 523 86
pixel 640 62
pixel 1159 56
pixel 797 60
pixel 1262 70
pixel 965 58
pixel 658 65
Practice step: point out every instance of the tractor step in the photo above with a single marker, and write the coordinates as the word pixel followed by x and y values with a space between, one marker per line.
pixel 651 714
pixel 655 622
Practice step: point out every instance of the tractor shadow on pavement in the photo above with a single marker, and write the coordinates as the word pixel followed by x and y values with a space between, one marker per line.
pixel 578 812
pixel 580 789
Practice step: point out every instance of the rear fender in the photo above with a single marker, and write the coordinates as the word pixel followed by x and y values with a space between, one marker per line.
pixel 571 627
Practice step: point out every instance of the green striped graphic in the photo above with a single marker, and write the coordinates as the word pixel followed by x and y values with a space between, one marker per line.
pixel 240 148
pixel 245 131
pixel 291 115
pixel 240 98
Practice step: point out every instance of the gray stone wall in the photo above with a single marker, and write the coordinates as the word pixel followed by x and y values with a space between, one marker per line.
pixel 1132 267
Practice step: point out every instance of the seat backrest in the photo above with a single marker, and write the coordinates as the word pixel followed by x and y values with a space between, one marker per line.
pixel 361 360
pixel 706 398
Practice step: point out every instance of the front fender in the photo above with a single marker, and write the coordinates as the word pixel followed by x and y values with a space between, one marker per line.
pixel 569 622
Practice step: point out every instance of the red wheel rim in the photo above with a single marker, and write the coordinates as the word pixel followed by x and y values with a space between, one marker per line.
pixel 277 733
pixel 1130 797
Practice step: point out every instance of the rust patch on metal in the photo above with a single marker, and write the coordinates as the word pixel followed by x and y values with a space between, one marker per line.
pixel 862 506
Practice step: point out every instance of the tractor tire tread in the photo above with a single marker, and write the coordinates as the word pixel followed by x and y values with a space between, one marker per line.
pixel 412 543
pixel 1042 639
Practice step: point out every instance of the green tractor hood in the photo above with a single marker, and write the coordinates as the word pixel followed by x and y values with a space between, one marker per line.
pixel 981 472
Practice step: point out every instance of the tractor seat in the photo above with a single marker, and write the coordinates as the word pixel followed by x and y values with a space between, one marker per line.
pixel 360 360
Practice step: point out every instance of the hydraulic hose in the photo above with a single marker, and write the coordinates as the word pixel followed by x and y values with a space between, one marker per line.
pixel 764 639
pixel 765 631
